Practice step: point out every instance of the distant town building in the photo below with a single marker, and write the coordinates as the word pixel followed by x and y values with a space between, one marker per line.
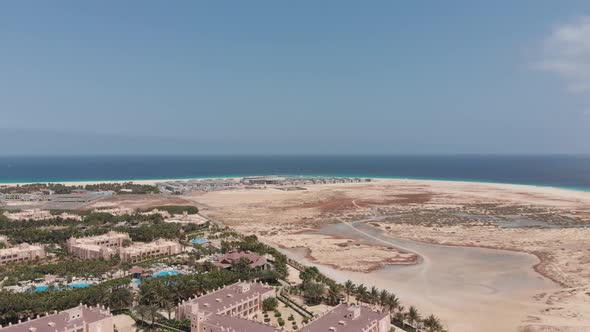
pixel 350 318
pixel 4 239
pixel 78 319
pixel 94 247
pixel 254 261
pixel 21 252
pixel 23 197
pixel 187 186
pixel 141 251
pixel 80 196
pixel 263 180
pixel 228 309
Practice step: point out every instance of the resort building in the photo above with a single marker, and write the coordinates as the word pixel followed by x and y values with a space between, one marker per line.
pixel 115 211
pixel 79 196
pixel 36 214
pixel 20 253
pixel 78 319
pixel 350 318
pixel 228 309
pixel 142 251
pixel 95 247
pixel 254 261
pixel 23 197
pixel 186 219
pixel 3 239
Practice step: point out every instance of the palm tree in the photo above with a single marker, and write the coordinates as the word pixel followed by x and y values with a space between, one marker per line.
pixel 142 310
pixel 413 316
pixel 333 293
pixel 432 323
pixel 169 306
pixel 153 311
pixel 349 288
pixel 392 302
pixel 374 295
pixel 361 293
pixel 383 297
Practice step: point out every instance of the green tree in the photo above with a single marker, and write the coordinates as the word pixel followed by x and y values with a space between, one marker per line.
pixel 413 316
pixel 392 302
pixel 313 292
pixel 432 324
pixel 361 293
pixel 152 311
pixel 270 304
pixel 373 295
pixel 334 294
pixel 383 297
pixel 142 310
pixel 120 298
pixel 349 289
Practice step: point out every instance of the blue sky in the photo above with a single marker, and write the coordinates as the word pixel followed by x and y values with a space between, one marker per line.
pixel 321 77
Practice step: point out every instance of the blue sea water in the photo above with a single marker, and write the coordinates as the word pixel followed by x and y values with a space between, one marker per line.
pixel 558 171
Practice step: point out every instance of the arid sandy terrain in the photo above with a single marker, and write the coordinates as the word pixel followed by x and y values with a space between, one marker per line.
pixel 539 282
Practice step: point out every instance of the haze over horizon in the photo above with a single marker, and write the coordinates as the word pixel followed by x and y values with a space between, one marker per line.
pixel 266 77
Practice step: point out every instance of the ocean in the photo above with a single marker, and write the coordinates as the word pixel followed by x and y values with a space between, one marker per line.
pixel 572 172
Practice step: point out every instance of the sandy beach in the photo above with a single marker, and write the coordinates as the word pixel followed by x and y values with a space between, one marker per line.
pixel 538 282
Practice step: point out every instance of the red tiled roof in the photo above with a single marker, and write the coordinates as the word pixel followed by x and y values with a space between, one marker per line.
pixel 231 258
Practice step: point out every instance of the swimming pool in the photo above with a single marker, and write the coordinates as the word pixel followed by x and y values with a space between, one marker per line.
pixel 43 288
pixel 137 281
pixel 199 241
pixel 40 288
pixel 80 285
pixel 165 273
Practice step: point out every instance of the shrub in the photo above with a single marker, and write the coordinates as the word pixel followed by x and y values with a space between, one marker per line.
pixel 291 317
pixel 281 322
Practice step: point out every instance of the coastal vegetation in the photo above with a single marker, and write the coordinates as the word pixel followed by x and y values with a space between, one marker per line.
pixel 176 209
pixel 68 266
pixel 15 306
pixel 141 227
pixel 59 188
pixel 162 293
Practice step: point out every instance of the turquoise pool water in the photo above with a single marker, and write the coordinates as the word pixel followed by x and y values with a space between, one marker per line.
pixel 43 288
pixel 80 285
pixel 199 241
pixel 165 273
pixel 40 288
pixel 137 281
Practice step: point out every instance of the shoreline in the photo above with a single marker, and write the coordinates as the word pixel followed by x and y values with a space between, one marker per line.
pixel 377 178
